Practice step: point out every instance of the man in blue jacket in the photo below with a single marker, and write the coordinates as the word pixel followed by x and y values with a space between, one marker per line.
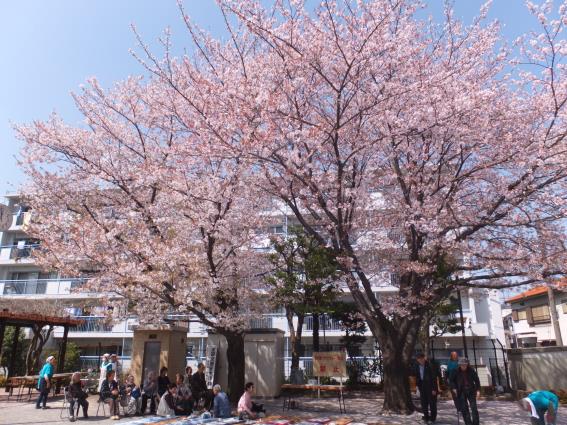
pixel 221 404
pixel 543 407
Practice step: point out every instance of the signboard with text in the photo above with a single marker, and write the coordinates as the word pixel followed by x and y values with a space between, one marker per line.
pixel 329 364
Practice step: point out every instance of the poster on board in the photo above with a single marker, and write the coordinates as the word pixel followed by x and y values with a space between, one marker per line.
pixel 329 364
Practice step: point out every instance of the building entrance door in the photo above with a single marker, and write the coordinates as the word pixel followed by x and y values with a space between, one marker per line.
pixel 152 351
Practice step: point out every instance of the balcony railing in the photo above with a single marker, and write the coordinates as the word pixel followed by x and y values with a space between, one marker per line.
pixel 262 323
pixel 325 323
pixel 18 252
pixel 39 286
pixel 93 324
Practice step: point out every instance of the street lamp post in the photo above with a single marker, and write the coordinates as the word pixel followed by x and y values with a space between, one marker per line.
pixel 462 324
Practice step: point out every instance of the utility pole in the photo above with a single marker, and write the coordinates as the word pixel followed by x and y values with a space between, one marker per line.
pixel 554 318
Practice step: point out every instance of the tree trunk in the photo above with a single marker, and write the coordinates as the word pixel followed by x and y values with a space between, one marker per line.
pixel 236 364
pixel 295 337
pixel 397 343
pixel 40 338
pixel 397 396
pixel 315 333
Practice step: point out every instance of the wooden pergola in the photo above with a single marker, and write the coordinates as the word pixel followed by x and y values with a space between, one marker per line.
pixel 32 320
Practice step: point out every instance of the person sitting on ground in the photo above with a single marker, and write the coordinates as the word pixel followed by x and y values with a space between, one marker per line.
pixel 246 407
pixel 465 386
pixel 75 393
pixel 132 398
pixel 167 404
pixel 542 406
pixel 44 382
pixel 184 398
pixel 149 392
pixel 110 394
pixel 199 387
pixel 221 404
pixel 162 381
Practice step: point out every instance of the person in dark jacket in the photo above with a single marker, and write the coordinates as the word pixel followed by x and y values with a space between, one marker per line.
pixel 167 405
pixel 162 381
pixel 110 393
pixel 75 394
pixel 199 387
pixel 149 392
pixel 427 379
pixel 465 386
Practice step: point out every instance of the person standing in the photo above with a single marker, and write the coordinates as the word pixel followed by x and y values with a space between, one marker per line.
pixel 188 376
pixel 199 387
pixel 116 366
pixel 163 381
pixel 543 407
pixel 452 366
pixel 465 386
pixel 428 376
pixel 44 382
pixel 105 366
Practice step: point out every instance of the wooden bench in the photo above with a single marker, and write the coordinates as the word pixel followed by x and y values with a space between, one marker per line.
pixel 290 390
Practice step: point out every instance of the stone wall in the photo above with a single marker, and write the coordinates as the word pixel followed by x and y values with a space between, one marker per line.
pixel 538 368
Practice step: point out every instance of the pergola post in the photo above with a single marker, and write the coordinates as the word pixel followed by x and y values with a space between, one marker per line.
pixel 61 359
pixel 12 363
pixel 62 350
pixel 2 331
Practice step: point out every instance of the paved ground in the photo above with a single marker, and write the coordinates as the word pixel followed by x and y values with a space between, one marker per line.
pixel 361 409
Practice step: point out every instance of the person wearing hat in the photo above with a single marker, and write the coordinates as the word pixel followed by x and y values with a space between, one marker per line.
pixel 104 367
pixel 542 406
pixel 44 382
pixel 427 380
pixel 115 366
pixel 465 387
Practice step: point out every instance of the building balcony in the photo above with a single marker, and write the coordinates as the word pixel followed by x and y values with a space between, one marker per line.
pixel 59 286
pixel 99 327
pixel 19 221
pixel 17 254
pixel 326 324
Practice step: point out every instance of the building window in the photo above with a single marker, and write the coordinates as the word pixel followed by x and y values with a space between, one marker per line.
pixel 522 315
pixel 277 230
pixel 540 314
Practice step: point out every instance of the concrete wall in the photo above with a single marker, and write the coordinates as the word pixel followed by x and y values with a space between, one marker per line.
pixel 173 347
pixel 263 357
pixel 538 368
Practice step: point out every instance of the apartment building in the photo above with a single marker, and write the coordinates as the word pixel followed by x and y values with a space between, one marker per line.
pixel 528 319
pixel 21 278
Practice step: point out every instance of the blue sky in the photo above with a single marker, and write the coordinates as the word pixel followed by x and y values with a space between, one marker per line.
pixel 49 48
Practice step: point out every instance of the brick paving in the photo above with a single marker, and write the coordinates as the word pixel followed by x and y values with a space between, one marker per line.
pixel 361 408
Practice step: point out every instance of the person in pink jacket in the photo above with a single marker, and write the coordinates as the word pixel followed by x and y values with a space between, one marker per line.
pixel 246 406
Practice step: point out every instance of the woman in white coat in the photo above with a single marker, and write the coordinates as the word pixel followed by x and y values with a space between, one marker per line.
pixel 105 366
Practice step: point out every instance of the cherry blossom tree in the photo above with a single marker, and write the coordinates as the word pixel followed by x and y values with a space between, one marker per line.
pixel 141 197
pixel 422 150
